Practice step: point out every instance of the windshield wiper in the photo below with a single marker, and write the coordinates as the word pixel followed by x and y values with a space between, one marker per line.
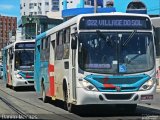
pixel 129 61
pixel 129 38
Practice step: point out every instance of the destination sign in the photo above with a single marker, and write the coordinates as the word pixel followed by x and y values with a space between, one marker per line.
pixel 114 22
pixel 29 45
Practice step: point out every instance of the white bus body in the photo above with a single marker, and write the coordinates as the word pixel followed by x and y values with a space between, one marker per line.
pixel 18 63
pixel 67 73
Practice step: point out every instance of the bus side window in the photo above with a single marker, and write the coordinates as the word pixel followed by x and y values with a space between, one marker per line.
pixel 45 49
pixel 59 47
pixel 47 46
pixel 47 42
pixel 53 44
pixel 66 43
pixel 66 35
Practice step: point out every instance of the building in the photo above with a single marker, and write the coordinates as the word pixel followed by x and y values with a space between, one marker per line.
pixel 8 26
pixel 34 25
pixel 35 18
pixel 70 8
pixel 35 7
pixel 38 16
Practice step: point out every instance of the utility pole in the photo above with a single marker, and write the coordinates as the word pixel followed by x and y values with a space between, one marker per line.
pixel 95 6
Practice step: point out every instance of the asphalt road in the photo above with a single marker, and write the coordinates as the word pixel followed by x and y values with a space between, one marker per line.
pixel 30 103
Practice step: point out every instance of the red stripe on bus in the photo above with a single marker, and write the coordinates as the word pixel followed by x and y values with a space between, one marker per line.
pixel 51 90
pixel 106 85
pixel 27 76
pixel 51 68
pixel 109 86
pixel 9 78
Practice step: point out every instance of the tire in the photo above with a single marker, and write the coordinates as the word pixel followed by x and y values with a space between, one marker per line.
pixel 7 86
pixel 13 88
pixel 67 106
pixel 44 97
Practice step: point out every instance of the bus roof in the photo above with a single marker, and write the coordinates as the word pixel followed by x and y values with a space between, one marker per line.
pixel 75 19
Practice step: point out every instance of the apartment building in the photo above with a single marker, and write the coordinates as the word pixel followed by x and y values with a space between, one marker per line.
pixel 8 25
pixel 35 7
pixel 34 18
pixel 69 8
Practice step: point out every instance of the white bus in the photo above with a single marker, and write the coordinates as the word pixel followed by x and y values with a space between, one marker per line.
pixel 18 63
pixel 103 58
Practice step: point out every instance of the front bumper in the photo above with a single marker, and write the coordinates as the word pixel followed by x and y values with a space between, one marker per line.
pixel 22 82
pixel 85 97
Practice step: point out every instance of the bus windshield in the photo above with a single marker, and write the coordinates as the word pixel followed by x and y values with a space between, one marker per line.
pixel 116 52
pixel 24 59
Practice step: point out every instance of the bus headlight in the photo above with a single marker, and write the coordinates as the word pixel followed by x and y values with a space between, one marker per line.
pixel 87 85
pixel 19 76
pixel 147 85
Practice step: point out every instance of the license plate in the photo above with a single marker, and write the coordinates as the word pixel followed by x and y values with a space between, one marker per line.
pixel 146 97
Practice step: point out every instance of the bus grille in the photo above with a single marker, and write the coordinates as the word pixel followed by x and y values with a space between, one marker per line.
pixel 120 80
pixel 118 96
pixel 122 88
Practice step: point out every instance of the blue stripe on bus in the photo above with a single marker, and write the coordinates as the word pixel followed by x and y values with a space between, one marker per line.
pixel 24 74
pixel 40 36
pixel 126 83
pixel 38 42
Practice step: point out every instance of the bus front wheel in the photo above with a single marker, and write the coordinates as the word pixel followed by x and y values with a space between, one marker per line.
pixel 14 88
pixel 67 106
pixel 7 86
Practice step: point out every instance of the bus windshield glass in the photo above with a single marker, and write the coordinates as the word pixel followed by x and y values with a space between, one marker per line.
pixel 116 52
pixel 24 59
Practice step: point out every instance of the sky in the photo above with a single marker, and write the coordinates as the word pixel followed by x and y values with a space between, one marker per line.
pixel 10 8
